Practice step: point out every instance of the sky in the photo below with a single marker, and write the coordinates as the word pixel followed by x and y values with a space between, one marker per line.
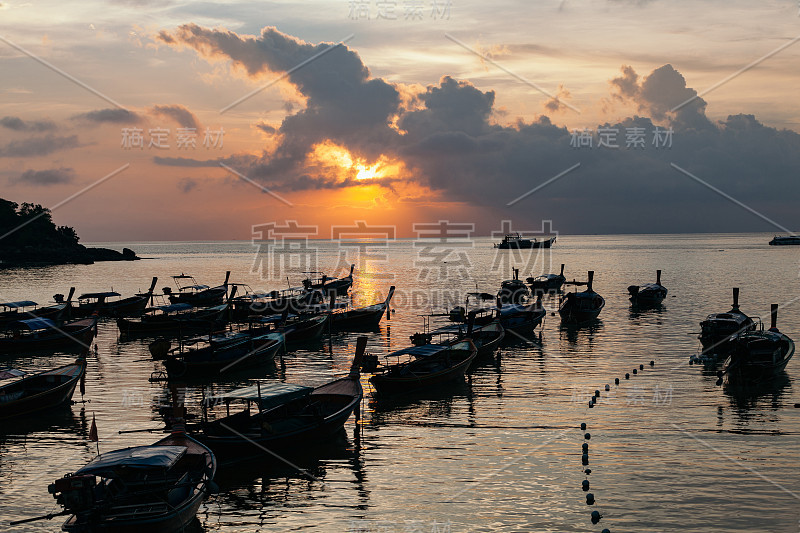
pixel 139 121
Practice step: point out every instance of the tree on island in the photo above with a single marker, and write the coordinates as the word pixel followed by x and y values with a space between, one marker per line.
pixel 32 225
pixel 28 235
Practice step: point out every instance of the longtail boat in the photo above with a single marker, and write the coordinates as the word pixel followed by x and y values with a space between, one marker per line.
pixel 155 488
pixel 42 391
pixel 108 303
pixel 280 417
pixel 44 334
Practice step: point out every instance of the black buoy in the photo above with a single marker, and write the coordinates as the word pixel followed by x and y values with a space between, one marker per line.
pixel 585 448
pixel 616 381
pixel 587 436
pixel 585 485
pixel 608 530
pixel 585 459
pixel 627 376
pixel 608 388
pixel 635 371
pixel 641 367
pixel 590 499
pixel 597 393
pixel 591 404
pixel 587 471
pixel 691 362
pixel 652 363
pixel 596 516
pixel 583 426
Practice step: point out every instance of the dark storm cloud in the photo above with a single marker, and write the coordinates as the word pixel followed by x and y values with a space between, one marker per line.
pixel 178 113
pixel 17 124
pixel 55 176
pixel 343 103
pixel 111 115
pixel 38 146
pixel 451 142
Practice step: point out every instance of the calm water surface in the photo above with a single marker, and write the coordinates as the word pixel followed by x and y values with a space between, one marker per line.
pixel 669 450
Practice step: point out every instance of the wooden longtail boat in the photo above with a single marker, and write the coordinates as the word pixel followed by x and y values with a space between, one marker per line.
pixel 208 357
pixel 285 417
pixel 581 307
pixel 547 282
pixel 330 286
pixel 196 294
pixel 362 317
pixel 718 328
pixel 431 365
pixel 11 312
pixel 757 356
pixel 649 294
pixel 44 334
pixel 104 304
pixel 155 488
pixel 41 391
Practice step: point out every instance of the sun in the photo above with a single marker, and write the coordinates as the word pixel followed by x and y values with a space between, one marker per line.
pixel 367 173
pixel 348 166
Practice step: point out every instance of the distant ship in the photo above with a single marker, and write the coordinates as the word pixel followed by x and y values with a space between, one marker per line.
pixel 782 241
pixel 515 240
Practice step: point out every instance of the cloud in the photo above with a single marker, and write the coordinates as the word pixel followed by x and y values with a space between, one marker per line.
pixel 38 146
pixel 659 93
pixel 178 113
pixel 556 103
pixel 343 102
pixel 112 115
pixel 187 185
pixel 17 124
pixel 186 162
pixel 447 138
pixel 55 176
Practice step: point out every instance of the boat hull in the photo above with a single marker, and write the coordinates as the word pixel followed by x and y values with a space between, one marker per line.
pixel 45 400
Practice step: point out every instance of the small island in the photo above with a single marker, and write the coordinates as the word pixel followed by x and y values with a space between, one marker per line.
pixel 29 237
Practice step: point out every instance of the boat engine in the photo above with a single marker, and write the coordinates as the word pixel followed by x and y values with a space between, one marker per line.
pixel 75 493
pixel 167 290
pixel 633 290
pixel 369 363
pixel 58 298
pixel 421 339
pixel 458 314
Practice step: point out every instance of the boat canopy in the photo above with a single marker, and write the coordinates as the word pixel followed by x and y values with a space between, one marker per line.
pixel 17 305
pixel 194 288
pixel 272 394
pixel 139 458
pixel 174 308
pixel 8 373
pixel 426 350
pixel 38 323
pixel 97 295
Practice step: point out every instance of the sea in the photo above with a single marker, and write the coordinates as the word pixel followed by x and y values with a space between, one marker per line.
pixel 668 449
